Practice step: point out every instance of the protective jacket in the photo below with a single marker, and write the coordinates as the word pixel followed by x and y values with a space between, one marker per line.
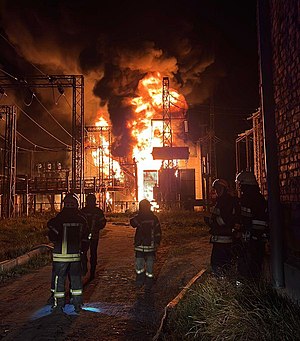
pixel 223 219
pixel 69 233
pixel 148 231
pixel 254 217
pixel 96 220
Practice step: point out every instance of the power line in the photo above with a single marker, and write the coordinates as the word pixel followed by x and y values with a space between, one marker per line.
pixel 52 115
pixel 9 75
pixel 13 46
pixel 29 104
pixel 36 145
pixel 177 106
pixel 45 130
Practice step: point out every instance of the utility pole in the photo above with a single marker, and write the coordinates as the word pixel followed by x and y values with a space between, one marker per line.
pixel 212 142
pixel 9 161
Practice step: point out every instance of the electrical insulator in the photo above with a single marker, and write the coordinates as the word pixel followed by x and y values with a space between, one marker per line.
pixel 186 126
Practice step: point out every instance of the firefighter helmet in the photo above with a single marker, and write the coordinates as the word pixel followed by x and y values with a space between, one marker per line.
pixel 70 200
pixel 246 178
pixel 220 182
pixel 144 205
pixel 91 199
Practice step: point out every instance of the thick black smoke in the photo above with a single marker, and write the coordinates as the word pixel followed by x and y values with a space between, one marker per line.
pixel 115 44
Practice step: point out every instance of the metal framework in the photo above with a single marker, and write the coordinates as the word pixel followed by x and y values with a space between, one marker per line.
pixel 167 128
pixel 244 157
pixel 104 134
pixel 76 82
pixel 9 161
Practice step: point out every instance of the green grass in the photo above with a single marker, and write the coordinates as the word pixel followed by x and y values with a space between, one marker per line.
pixel 33 264
pixel 19 235
pixel 218 310
pixel 180 225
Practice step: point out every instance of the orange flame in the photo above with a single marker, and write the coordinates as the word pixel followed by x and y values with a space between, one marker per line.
pixel 146 127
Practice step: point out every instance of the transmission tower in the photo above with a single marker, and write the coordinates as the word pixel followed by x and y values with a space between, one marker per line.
pixel 167 129
pixel 9 161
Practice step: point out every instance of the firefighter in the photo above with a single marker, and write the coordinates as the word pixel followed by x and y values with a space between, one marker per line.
pixel 146 241
pixel 222 223
pixel 254 226
pixel 69 233
pixel 96 222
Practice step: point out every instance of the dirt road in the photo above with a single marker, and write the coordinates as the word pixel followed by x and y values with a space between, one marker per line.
pixel 114 309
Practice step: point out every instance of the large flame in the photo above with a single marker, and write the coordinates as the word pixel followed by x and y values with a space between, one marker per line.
pixel 102 155
pixel 146 128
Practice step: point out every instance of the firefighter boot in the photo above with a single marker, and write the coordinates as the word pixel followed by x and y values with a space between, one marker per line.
pixel 58 306
pixel 50 300
pixel 149 283
pixel 139 280
pixel 77 301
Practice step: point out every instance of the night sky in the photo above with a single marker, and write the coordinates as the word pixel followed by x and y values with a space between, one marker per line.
pixel 208 49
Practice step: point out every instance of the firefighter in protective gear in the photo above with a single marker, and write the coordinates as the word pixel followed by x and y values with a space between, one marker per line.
pixel 254 226
pixel 222 223
pixel 69 233
pixel 146 241
pixel 96 222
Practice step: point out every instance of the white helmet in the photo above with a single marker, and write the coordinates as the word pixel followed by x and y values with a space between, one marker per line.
pixel 70 200
pixel 220 182
pixel 246 178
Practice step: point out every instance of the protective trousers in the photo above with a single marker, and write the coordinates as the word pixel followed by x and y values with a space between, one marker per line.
pixel 144 263
pixel 250 259
pixel 221 258
pixel 60 271
pixel 93 255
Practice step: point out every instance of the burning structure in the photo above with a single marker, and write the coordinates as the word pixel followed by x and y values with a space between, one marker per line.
pixel 161 164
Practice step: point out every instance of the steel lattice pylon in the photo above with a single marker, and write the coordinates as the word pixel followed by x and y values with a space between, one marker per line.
pixel 9 161
pixel 167 128
pixel 62 81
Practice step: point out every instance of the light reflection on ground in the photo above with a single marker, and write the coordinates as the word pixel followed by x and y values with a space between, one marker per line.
pixel 94 307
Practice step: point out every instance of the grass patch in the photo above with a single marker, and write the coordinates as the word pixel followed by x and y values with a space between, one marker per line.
pixel 175 224
pixel 182 225
pixel 19 235
pixel 33 264
pixel 218 310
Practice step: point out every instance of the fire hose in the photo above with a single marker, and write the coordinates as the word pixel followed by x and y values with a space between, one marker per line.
pixel 171 305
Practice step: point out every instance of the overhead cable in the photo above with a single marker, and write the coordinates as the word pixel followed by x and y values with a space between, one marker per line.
pixel 9 75
pixel 54 119
pixel 178 106
pixel 36 145
pixel 13 46
pixel 45 130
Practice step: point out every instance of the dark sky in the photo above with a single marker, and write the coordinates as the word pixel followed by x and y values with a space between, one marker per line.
pixel 208 49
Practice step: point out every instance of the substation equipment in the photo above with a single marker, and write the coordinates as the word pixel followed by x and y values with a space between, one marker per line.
pixel 175 185
pixel 9 186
